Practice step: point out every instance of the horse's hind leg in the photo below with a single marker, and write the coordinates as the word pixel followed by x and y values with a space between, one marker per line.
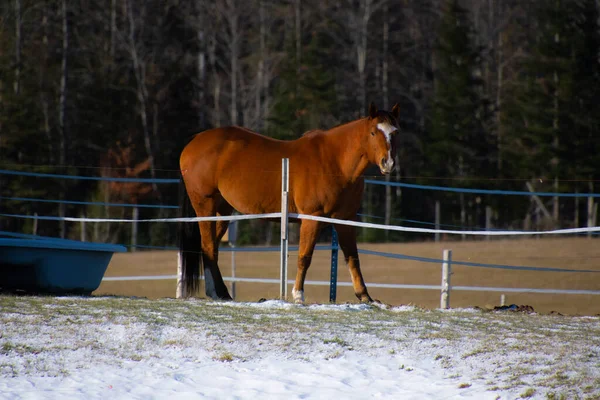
pixel 347 241
pixel 213 280
pixel 224 209
pixel 309 233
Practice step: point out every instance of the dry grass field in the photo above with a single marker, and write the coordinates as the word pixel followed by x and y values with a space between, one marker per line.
pixel 557 252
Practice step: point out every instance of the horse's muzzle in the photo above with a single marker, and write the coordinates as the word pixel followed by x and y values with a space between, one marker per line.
pixel 386 166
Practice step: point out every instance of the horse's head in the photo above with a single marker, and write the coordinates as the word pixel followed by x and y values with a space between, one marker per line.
pixel 381 144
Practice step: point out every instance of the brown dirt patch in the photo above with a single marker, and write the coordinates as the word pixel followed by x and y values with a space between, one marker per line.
pixel 569 253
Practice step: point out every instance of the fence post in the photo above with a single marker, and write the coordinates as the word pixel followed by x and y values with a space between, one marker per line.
pixel 488 220
pixel 231 240
pixel 437 221
pixel 232 270
pixel 134 227
pixel 82 233
pixel 576 218
pixel 35 223
pixel 285 182
pixel 590 214
pixel 446 273
pixel 334 264
pixel 180 291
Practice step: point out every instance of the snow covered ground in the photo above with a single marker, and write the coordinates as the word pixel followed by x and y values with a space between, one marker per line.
pixel 122 348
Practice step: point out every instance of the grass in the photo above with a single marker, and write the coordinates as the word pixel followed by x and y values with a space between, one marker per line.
pixel 528 393
pixel 225 357
pixel 508 351
pixel 338 341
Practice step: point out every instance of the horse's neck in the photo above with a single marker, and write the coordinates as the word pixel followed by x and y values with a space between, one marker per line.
pixel 346 141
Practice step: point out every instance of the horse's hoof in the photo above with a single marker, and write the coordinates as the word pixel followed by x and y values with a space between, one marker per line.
pixel 379 304
pixel 298 296
pixel 366 299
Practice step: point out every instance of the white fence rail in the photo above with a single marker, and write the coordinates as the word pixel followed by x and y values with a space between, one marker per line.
pixel 376 285
pixel 445 286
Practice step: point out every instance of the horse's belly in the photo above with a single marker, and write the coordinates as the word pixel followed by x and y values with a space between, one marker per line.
pixel 251 195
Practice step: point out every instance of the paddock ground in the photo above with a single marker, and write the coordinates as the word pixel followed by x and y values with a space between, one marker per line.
pixel 556 252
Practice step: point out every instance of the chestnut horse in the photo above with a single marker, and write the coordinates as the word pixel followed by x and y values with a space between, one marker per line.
pixel 234 168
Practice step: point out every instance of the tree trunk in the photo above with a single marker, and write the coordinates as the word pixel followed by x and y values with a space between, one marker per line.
pixel 298 44
pixel 555 142
pixel 217 100
pixel 234 48
pixel 43 93
pixel 211 47
pixel 113 28
pixel 298 30
pixel 259 118
pixel 18 24
pixel 2 220
pixel 201 71
pixel 47 132
pixel 361 55
pixel 234 69
pixel 384 90
pixel 555 145
pixel 500 79
pixel 361 58
pixel 139 69
pixel 63 111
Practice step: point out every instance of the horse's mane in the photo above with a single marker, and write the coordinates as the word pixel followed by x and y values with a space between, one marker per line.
pixel 313 132
pixel 382 116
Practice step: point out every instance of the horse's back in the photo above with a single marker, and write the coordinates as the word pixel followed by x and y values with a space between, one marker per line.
pixel 244 166
pixel 229 145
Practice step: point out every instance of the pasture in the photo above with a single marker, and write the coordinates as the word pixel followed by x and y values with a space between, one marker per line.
pixel 110 347
pixel 549 252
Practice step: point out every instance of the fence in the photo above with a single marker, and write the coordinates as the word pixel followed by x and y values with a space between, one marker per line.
pixel 446 262
pixel 592 208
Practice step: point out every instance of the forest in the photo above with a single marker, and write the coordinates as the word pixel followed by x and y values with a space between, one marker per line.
pixel 494 94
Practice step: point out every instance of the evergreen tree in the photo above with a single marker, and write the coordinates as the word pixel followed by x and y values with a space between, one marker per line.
pixel 538 115
pixel 582 142
pixel 305 93
pixel 459 146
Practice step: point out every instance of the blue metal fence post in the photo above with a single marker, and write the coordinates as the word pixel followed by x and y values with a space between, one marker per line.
pixel 334 262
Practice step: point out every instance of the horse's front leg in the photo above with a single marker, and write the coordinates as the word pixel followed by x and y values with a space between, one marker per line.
pixel 309 233
pixel 347 241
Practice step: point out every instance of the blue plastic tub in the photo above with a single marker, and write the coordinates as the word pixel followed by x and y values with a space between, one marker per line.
pixel 51 265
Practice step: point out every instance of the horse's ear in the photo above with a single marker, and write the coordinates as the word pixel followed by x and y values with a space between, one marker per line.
pixel 396 110
pixel 372 110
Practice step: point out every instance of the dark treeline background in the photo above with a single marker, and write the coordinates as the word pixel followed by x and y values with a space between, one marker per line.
pixel 495 94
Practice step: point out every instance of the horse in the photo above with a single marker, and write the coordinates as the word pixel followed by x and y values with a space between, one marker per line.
pixel 233 168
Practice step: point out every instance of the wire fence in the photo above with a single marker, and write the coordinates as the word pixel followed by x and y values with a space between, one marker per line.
pixel 400 228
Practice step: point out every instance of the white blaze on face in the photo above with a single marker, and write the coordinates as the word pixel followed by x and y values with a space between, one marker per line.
pixel 387 130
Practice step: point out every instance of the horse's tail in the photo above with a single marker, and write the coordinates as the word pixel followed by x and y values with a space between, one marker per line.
pixel 190 247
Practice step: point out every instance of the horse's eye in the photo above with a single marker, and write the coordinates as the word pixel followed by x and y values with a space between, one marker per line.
pixel 372 133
